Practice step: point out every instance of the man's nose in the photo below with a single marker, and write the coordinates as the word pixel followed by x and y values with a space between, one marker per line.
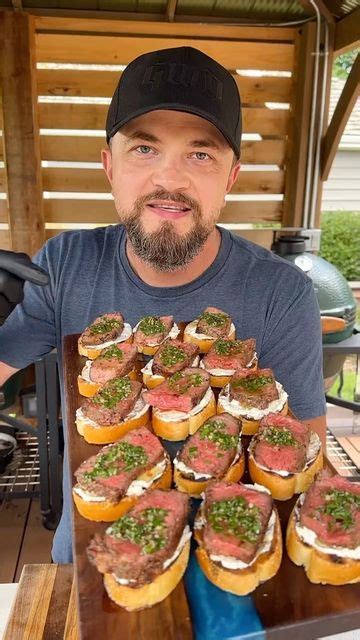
pixel 170 175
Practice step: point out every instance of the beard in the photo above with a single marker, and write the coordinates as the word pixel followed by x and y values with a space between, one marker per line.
pixel 164 249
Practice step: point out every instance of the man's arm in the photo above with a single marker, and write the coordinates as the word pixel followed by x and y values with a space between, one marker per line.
pixel 6 371
pixel 318 425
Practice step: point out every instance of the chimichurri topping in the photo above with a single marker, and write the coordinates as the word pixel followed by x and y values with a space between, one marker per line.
pixel 235 517
pixel 228 347
pixel 214 319
pixel 180 382
pixel 340 507
pixel 113 352
pixel 123 455
pixel 105 325
pixel 148 530
pixel 114 391
pixel 213 430
pixel 150 325
pixel 279 437
pixel 252 383
pixel 192 452
pixel 171 355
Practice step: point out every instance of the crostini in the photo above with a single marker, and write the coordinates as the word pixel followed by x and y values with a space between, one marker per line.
pixel 113 362
pixel 208 327
pixel 172 356
pixel 226 356
pixel 151 331
pixel 104 331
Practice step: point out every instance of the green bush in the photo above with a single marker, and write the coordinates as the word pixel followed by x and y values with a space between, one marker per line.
pixel 340 241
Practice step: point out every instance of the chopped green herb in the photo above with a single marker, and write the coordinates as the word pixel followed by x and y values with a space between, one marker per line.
pixel 121 456
pixel 340 507
pixel 148 529
pixel 171 355
pixel 105 325
pixel 192 451
pixel 150 325
pixel 228 347
pixel 113 392
pixel 235 517
pixel 279 437
pixel 213 430
pixel 214 319
pixel 113 352
pixel 252 383
pixel 180 382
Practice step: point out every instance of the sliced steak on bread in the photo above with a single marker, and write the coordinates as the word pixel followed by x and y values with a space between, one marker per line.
pixel 213 323
pixel 147 546
pixel 106 330
pixel 172 356
pixel 226 356
pixel 115 361
pixel 151 331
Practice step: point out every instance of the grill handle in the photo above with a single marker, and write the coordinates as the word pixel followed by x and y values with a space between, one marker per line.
pixel 330 324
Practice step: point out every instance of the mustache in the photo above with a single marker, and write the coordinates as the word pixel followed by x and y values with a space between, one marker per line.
pixel 161 194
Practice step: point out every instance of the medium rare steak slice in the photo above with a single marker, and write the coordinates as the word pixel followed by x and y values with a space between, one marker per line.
pixel 253 388
pixel 135 547
pixel 332 509
pixel 212 449
pixel 104 328
pixel 172 356
pixel 281 443
pixel 181 392
pixel 113 402
pixel 153 329
pixel 114 362
pixel 110 473
pixel 236 520
pixel 230 354
pixel 214 322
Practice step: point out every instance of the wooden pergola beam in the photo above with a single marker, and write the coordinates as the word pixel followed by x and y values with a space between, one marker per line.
pixel 170 10
pixel 340 117
pixel 347 33
pixel 21 133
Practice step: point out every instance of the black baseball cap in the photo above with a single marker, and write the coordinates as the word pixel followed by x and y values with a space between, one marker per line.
pixel 178 79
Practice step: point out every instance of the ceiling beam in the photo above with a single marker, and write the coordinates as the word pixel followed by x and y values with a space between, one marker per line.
pixel 170 10
pixel 347 32
pixel 342 112
pixel 322 8
pixel 17 5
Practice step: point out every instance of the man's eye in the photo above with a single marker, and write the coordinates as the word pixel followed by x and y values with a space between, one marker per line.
pixel 201 155
pixel 143 149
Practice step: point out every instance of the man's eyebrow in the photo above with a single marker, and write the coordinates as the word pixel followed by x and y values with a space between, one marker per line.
pixel 209 143
pixel 142 135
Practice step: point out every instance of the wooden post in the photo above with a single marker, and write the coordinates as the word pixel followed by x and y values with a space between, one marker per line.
pixel 21 133
pixel 299 136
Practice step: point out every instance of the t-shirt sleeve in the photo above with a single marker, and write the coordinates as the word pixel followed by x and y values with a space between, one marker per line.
pixel 293 350
pixel 29 332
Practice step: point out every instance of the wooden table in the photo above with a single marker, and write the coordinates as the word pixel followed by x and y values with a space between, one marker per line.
pixel 286 606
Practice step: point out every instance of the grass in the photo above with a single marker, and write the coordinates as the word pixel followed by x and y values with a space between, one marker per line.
pixel 347 391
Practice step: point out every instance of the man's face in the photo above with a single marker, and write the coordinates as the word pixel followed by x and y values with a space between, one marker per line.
pixel 169 172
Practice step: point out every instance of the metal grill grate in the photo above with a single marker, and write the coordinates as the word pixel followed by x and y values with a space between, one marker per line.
pixel 22 474
pixel 339 458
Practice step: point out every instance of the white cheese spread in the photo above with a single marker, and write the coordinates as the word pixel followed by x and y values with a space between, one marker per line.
pixel 312 451
pixel 139 409
pixel 177 416
pixel 190 330
pixel 236 409
pixel 173 333
pixel 87 496
pixel 138 487
pixel 228 372
pixel 124 335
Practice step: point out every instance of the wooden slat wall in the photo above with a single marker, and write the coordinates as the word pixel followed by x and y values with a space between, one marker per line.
pixel 234 47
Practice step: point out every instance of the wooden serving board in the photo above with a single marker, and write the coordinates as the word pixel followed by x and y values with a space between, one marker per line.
pixel 286 606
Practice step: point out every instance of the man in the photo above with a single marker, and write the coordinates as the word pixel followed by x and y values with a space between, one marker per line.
pixel 174 131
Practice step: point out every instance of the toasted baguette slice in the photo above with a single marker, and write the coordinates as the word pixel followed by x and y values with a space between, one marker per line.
pixel 196 487
pixel 250 427
pixel 106 434
pixel 135 598
pixel 319 567
pixel 181 428
pixel 107 511
pixel 242 581
pixel 284 487
pixel 88 389
pixel 204 343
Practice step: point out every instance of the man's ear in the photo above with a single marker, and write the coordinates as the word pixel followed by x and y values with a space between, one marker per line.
pixel 233 175
pixel 106 159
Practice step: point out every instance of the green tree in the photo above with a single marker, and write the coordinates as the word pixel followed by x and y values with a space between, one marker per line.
pixel 343 63
pixel 340 241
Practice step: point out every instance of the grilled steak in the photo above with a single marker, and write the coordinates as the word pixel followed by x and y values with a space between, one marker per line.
pixel 212 449
pixel 136 546
pixel 214 322
pixel 281 443
pixel 153 329
pixel 110 473
pixel 253 388
pixel 172 356
pixel 104 328
pixel 236 520
pixel 230 354
pixel 181 392
pixel 332 509
pixel 114 362
pixel 113 402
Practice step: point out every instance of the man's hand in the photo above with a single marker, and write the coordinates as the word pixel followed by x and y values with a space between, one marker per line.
pixel 14 269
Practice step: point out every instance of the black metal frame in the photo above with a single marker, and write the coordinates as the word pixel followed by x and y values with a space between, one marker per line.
pixel 47 432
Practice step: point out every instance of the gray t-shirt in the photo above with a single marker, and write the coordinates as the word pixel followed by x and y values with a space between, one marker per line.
pixel 268 299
